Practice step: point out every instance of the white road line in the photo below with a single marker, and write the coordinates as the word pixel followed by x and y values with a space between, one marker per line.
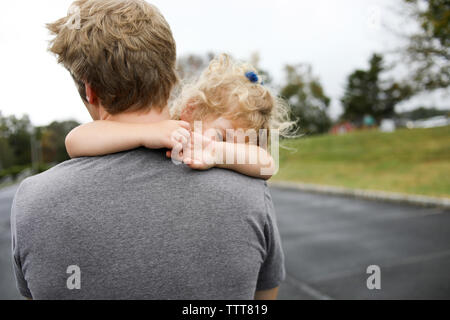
pixel 310 291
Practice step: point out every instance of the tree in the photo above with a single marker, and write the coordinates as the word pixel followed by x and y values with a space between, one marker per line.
pixel 17 135
pixel 6 154
pixel 366 94
pixel 17 131
pixel 190 66
pixel 52 139
pixel 427 53
pixel 307 99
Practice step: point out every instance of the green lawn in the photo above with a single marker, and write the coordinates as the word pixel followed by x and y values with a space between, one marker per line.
pixel 413 161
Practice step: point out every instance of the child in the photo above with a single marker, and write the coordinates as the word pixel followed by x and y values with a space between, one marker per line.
pixel 227 95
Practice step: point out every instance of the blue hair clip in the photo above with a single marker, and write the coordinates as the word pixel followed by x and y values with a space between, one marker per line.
pixel 252 76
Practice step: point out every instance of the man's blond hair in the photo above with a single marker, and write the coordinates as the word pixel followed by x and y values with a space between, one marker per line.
pixel 124 49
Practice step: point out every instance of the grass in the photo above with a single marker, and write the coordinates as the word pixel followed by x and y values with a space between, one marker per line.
pixel 413 161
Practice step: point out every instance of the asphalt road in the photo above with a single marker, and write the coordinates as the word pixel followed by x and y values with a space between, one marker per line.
pixel 329 242
pixel 7 285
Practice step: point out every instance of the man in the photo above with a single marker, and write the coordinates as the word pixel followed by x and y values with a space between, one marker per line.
pixel 133 225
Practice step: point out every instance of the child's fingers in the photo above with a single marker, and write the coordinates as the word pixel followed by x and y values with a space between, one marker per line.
pixel 190 161
pixel 185 134
pixel 177 152
pixel 201 139
pixel 197 135
pixel 194 164
pixel 184 125
pixel 180 136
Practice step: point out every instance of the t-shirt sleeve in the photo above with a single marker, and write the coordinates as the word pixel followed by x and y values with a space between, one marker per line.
pixel 272 271
pixel 17 265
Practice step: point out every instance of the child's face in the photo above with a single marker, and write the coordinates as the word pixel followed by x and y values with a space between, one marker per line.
pixel 212 126
pixel 218 127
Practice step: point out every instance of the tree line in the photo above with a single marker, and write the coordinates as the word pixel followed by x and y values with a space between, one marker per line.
pixel 24 146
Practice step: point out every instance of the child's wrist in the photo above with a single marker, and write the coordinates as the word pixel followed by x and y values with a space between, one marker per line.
pixel 219 154
pixel 141 134
pixel 147 136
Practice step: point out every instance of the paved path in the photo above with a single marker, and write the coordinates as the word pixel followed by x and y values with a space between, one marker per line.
pixel 7 285
pixel 329 241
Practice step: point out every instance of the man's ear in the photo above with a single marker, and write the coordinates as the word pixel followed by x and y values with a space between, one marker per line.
pixel 186 113
pixel 92 102
pixel 91 96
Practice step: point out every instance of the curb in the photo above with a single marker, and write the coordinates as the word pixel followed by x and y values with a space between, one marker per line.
pixel 365 194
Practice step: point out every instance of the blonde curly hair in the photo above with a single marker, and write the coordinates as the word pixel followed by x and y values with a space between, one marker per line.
pixel 223 90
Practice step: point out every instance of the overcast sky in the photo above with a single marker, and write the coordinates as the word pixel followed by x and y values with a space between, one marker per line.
pixel 335 37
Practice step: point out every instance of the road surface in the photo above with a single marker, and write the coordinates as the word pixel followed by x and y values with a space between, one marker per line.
pixel 7 285
pixel 329 241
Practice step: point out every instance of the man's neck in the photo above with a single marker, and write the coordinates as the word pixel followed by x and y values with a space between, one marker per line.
pixel 152 116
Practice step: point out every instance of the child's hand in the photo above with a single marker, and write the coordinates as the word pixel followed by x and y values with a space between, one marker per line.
pixel 199 152
pixel 202 158
pixel 165 134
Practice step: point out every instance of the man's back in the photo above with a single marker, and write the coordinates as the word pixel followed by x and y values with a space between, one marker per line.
pixel 139 227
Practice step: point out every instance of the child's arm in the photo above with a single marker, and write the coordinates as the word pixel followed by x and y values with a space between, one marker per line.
pixel 104 137
pixel 262 165
pixel 215 154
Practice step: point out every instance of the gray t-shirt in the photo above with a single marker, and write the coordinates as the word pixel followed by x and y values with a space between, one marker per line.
pixel 139 227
